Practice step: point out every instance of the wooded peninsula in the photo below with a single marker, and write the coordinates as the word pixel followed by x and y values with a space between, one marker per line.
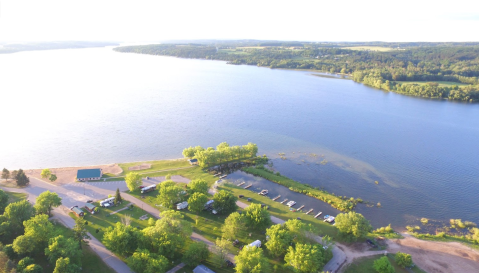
pixel 432 70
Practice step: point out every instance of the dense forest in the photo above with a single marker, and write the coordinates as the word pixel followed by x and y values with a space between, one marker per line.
pixel 433 70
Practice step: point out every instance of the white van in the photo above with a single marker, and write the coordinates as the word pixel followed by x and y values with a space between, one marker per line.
pixel 256 243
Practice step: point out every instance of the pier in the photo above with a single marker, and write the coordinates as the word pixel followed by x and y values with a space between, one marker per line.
pixel 317 215
pixel 309 211
pixel 248 186
pixel 241 184
pixel 276 198
pixel 301 207
pixel 282 202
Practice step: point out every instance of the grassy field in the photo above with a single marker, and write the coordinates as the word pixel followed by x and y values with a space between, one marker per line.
pixel 9 183
pixel 441 83
pixel 372 48
pixel 365 265
pixel 156 166
pixel 15 196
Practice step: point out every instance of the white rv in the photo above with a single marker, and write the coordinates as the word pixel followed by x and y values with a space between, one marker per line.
pixel 256 243
pixel 182 205
pixel 107 202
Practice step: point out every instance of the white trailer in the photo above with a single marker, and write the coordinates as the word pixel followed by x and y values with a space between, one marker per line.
pixel 182 205
pixel 107 202
pixel 256 243
pixel 148 188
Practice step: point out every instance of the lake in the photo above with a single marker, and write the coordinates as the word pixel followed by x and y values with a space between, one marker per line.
pixel 79 107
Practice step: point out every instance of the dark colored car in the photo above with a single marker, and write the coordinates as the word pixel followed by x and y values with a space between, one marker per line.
pixel 240 196
pixel 229 263
pixel 89 201
pixel 249 199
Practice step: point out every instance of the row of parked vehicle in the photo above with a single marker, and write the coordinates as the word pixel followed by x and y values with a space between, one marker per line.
pixel 208 206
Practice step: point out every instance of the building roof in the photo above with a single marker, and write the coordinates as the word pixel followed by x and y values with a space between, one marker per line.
pixel 89 173
pixel 90 206
pixel 202 269
pixel 77 210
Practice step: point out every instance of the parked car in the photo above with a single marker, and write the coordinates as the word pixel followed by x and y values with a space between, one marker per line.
pixel 249 199
pixel 89 201
pixel 229 263
pixel 240 196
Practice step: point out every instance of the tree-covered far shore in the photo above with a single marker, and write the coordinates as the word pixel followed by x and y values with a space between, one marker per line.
pixel 432 70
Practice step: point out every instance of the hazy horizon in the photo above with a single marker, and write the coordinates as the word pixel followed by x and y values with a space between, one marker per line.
pixel 153 21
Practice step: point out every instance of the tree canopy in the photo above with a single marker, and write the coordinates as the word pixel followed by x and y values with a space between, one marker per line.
pixel 382 265
pixel 121 239
pixel 223 153
pixel 257 217
pixel 61 247
pixel 251 260
pixel 3 201
pixel 353 225
pixel 46 173
pixel 21 178
pixel 196 202
pixel 46 201
pixel 305 258
pixel 233 226
pixel 403 259
pixel 144 261
pixel 133 181
pixel 198 185
pixel 225 202
pixel 5 174
pixel 196 253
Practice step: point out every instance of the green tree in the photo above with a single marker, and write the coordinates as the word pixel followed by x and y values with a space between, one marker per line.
pixel 144 261
pixel 3 201
pixel 257 217
pixel 198 185
pixel 168 234
pixel 225 202
pixel 170 195
pixel 220 251
pixel 234 225
pixel 46 201
pixel 63 265
pixel 305 258
pixel 46 173
pixel 197 201
pixel 53 177
pixel 279 240
pixel 21 178
pixel 80 234
pixel 38 230
pixel 353 225
pixel 61 247
pixel 251 260
pixel 23 263
pixel 118 198
pixel 121 239
pixel 133 181
pixel 5 174
pixel 33 268
pixel 196 253
pixel 403 259
pixel 14 215
pixel 382 265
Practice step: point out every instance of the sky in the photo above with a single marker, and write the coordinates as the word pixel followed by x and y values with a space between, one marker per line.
pixel 138 21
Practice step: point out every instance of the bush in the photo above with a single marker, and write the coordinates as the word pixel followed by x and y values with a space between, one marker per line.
pixel 403 259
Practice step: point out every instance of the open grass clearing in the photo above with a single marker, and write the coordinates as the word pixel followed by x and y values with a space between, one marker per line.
pixel 365 265
pixel 15 196
pixel 156 165
pixel 371 48
pixel 9 183
pixel 441 83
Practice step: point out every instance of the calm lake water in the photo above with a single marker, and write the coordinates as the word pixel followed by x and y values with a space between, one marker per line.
pixel 93 106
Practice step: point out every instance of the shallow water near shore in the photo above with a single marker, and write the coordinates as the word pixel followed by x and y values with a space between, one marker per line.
pixel 95 106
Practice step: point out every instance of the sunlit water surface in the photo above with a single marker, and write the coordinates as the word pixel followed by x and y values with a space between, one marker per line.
pixel 91 106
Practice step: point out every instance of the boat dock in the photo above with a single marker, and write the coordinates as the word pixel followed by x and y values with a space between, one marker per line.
pixel 301 207
pixel 309 211
pixel 248 186
pixel 276 198
pixel 317 215
pixel 241 184
pixel 223 176
pixel 216 174
pixel 282 202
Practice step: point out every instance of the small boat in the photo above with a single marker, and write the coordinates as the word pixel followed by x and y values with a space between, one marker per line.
pixel 263 192
pixel 326 216
pixel 290 203
pixel 329 219
pixel 317 215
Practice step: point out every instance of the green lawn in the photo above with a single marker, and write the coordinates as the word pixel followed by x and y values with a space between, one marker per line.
pixel 15 196
pixel 365 265
pixel 441 83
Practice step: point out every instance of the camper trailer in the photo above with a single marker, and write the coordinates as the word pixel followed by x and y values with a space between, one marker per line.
pixel 256 243
pixel 182 205
pixel 148 188
pixel 107 202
